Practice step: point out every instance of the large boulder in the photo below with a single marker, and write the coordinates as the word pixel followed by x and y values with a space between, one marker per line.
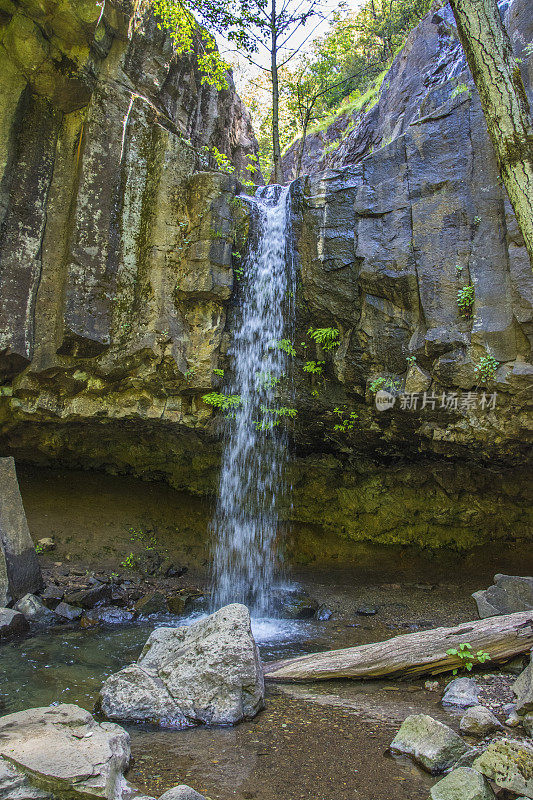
pixel 523 689
pixel 509 764
pixel 509 593
pixel 19 567
pixel 62 752
pixel 12 623
pixel 461 693
pixel 462 784
pixel 209 672
pixel 430 743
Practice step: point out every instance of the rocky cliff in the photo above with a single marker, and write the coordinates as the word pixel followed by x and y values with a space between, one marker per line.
pixel 117 281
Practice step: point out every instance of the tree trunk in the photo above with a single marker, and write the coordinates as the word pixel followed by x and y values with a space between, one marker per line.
pixel 276 150
pixel 422 653
pixel 498 80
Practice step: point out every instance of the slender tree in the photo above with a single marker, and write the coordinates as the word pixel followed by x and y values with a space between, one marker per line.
pixel 504 101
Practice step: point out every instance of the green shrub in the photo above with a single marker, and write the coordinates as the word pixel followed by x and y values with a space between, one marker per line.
pixel 485 369
pixel 465 300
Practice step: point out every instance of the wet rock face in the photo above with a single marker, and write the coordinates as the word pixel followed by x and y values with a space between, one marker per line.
pixel 102 221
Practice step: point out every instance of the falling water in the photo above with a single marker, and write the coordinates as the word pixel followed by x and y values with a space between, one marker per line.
pixel 251 481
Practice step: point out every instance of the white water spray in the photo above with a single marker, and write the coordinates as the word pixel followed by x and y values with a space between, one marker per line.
pixel 255 448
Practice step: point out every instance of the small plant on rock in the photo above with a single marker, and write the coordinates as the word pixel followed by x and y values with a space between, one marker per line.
pixel 347 420
pixel 327 338
pixel 286 345
pixel 223 401
pixel 314 367
pixel 486 368
pixel 465 300
pixel 467 657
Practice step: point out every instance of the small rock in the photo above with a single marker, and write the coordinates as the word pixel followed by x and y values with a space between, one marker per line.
pixel 432 686
pixel 45 545
pixel 323 613
pixel 68 612
pixel 417 380
pixel 35 610
pixel 296 605
pixel 12 623
pixel 462 784
pixel 523 689
pixel 461 693
pixel 52 595
pixel 366 611
pixel 89 597
pixel 509 764
pixel 107 615
pixel 527 723
pixel 183 600
pixel 479 721
pixel 430 743
pixel 182 792
pixel 513 720
pixel 152 603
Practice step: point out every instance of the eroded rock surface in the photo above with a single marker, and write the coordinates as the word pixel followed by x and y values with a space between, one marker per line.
pixel 61 751
pixel 208 672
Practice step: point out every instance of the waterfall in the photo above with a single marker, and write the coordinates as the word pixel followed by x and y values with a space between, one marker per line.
pixel 255 447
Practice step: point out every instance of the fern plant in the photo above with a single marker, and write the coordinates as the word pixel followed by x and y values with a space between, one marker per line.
pixel 327 338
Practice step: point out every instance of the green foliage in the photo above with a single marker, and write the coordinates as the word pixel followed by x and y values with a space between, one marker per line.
pixel 485 369
pixel 465 300
pixel 467 657
pixel 460 89
pixel 391 384
pixel 348 419
pixel 314 367
pixel 129 562
pixel 219 372
pixel 224 402
pixel 327 338
pixel 286 345
pixel 272 417
pixel 38 548
pixel 267 380
pixel 411 360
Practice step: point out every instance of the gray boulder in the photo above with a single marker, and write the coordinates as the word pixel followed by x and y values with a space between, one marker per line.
pixel 11 623
pixel 509 593
pixel 479 721
pixel 523 689
pixel 509 764
pixel 67 611
pixel 35 610
pixel 62 752
pixel 19 568
pixel 461 693
pixel 208 672
pixel 182 792
pixel 462 784
pixel 430 743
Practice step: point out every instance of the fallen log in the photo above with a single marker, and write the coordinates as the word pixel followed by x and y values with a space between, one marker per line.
pixel 502 637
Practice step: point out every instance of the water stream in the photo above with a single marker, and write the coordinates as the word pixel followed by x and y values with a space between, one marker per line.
pixel 255 450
